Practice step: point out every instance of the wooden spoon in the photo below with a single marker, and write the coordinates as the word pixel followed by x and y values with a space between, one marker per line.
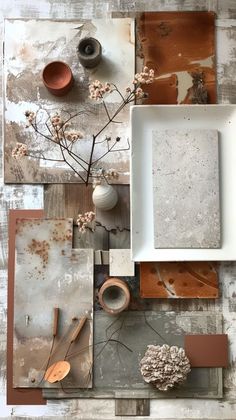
pixel 59 370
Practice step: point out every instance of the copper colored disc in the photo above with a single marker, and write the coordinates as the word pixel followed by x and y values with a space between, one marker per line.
pixel 57 371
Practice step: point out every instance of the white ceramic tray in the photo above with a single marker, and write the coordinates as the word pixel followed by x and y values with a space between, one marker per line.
pixel 144 119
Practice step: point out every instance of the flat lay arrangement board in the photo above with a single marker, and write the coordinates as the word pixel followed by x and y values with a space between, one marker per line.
pixel 212 283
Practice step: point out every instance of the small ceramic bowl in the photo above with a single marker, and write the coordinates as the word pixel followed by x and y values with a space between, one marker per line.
pixel 58 78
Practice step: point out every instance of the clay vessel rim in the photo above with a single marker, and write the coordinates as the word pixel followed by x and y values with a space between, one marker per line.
pixel 122 285
pixel 68 72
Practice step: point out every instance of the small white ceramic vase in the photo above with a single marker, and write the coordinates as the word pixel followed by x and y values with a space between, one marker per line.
pixel 105 197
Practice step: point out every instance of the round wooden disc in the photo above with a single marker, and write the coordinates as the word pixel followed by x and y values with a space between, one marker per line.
pixel 57 371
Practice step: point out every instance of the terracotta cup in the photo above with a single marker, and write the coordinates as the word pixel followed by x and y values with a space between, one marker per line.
pixel 58 78
pixel 114 296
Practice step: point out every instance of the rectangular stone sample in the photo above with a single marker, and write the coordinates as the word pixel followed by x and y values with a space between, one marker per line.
pixel 49 274
pixel 120 262
pixel 116 364
pixel 186 200
pixel 207 350
pixel 178 280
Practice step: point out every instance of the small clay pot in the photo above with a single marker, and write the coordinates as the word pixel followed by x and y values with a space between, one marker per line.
pixel 58 78
pixel 89 52
pixel 114 296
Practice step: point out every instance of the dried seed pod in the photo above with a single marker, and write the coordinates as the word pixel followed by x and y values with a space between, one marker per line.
pixel 164 366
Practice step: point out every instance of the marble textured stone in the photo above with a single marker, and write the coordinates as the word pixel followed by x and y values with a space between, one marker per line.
pixel 120 262
pixel 186 188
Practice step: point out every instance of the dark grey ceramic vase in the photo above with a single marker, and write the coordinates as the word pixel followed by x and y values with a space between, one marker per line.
pixel 89 52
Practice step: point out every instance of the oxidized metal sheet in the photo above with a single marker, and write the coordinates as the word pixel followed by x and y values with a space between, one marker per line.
pixel 49 274
pixel 178 280
pixel 180 46
pixel 29 46
pixel 116 367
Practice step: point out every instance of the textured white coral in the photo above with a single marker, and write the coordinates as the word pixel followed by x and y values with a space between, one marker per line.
pixel 164 366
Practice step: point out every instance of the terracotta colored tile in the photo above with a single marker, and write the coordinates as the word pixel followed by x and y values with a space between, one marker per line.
pixel 178 280
pixel 207 350
pixel 176 45
pixel 16 396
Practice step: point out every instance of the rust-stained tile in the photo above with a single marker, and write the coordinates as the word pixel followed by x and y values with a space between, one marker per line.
pixel 178 45
pixel 50 274
pixel 178 280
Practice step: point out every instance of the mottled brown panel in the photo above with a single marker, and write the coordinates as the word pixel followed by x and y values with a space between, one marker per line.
pixel 17 396
pixel 173 42
pixel 178 280
pixel 138 407
pixel 207 350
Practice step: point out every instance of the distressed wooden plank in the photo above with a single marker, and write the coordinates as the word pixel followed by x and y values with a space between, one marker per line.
pixel 139 407
pixel 54 200
pixel 78 199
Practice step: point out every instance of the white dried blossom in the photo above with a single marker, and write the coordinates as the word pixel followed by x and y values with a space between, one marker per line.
pixel 19 151
pixel 111 174
pixel 97 90
pixel 30 116
pixel 164 366
pixel 73 135
pixel 86 220
pixel 145 77
pixel 56 121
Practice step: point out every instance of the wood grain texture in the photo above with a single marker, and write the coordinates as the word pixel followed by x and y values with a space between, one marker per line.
pixel 19 197
pixel 139 407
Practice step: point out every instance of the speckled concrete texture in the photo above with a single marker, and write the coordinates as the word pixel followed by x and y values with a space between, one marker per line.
pixel 186 189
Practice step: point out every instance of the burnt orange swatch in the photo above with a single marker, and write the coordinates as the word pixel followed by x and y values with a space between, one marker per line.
pixel 173 43
pixel 178 280
pixel 210 350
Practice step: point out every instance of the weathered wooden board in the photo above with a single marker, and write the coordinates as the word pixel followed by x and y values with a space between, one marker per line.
pixel 116 367
pixel 180 46
pixel 29 46
pixel 49 270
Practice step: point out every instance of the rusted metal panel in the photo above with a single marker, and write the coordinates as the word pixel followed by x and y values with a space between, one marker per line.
pixel 29 45
pixel 180 46
pixel 179 280
pixel 49 274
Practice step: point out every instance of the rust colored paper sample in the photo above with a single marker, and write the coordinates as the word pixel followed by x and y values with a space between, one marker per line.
pixel 180 47
pixel 16 396
pixel 207 350
pixel 178 280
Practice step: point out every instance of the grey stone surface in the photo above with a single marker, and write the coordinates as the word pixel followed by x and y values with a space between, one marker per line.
pixel 186 194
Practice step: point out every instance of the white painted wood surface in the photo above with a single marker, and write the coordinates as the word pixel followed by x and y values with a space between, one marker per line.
pixel 32 197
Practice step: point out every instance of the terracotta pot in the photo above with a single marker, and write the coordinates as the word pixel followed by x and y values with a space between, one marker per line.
pixel 58 78
pixel 105 197
pixel 89 52
pixel 114 296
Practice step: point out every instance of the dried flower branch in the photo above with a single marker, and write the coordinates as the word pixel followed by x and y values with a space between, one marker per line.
pixel 57 129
